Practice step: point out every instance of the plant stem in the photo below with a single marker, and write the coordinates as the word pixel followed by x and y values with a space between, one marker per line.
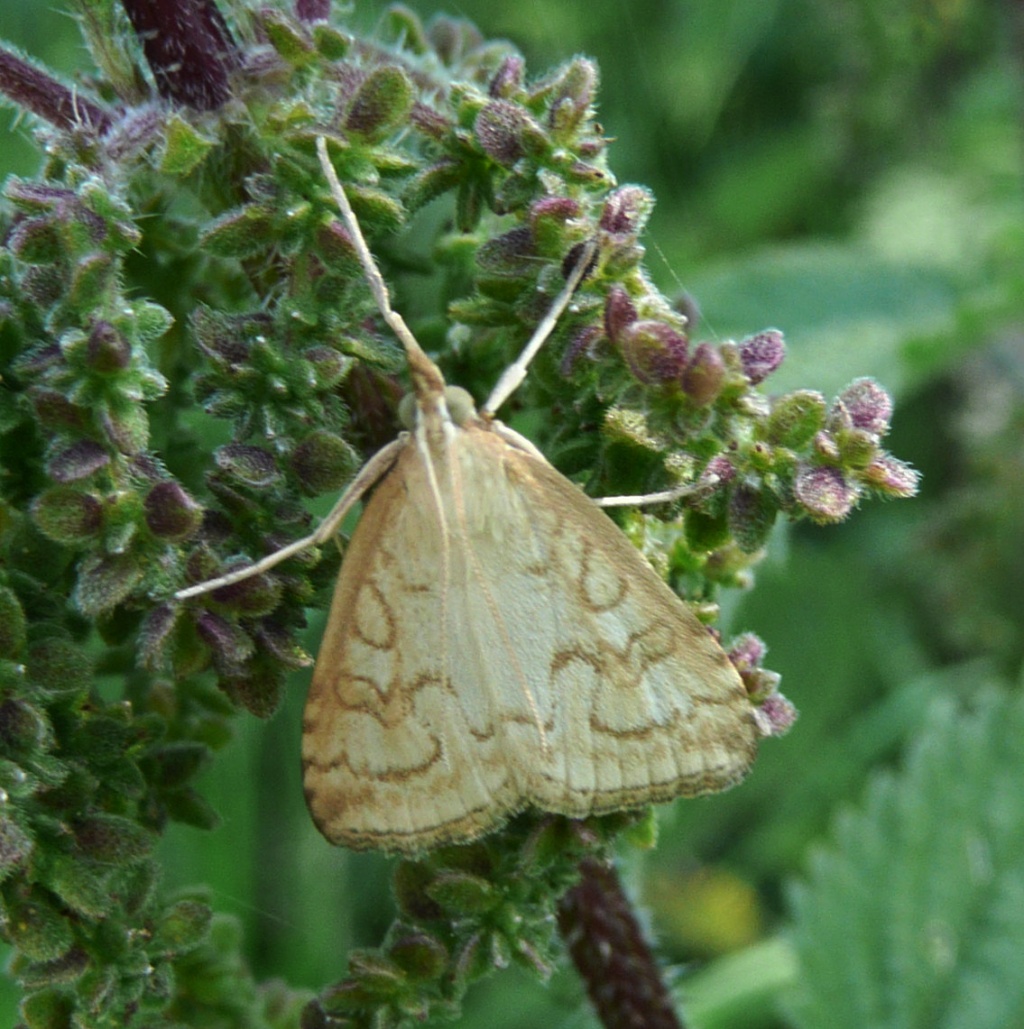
pixel 608 948
pixel 189 48
pixel 43 95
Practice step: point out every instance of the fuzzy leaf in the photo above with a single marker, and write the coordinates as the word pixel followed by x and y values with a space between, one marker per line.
pixel 914 916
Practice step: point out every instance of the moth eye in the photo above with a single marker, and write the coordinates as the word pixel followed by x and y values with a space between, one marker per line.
pixel 407 411
pixel 460 404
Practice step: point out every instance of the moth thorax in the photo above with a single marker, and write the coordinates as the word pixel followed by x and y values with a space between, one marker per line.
pixel 459 403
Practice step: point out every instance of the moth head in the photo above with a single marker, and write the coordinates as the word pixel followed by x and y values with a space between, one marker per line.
pixel 458 402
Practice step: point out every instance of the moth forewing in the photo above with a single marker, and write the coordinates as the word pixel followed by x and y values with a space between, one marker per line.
pixel 508 648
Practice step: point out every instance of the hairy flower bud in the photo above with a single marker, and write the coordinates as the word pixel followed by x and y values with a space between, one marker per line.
pixel 655 352
pixel 869 406
pixel 824 493
pixel 704 375
pixel 761 354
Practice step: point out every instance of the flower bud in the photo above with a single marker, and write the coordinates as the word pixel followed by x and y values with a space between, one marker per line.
pixel 322 462
pixel 747 652
pixel 824 493
pixel 869 405
pixel 751 516
pixel 66 515
pixel 572 96
pixel 655 352
pixel 231 644
pixel 891 477
pixel 511 253
pixel 77 461
pixel 619 313
pixel 506 132
pixel 108 351
pixel 775 715
pixel 171 514
pixel 583 342
pixel 381 104
pixel 795 418
pixel 251 465
pixel 704 375
pixel 508 79
pixel 761 354
pixel 422 957
pixel 626 211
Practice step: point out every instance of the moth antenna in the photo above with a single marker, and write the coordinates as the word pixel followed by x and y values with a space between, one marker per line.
pixel 426 375
pixel 512 378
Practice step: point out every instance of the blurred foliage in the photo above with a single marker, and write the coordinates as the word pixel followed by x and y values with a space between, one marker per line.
pixel 853 173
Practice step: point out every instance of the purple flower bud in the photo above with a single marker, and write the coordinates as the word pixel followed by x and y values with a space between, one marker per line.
pixel 431 123
pixel 506 132
pixel 655 352
pixel 891 477
pixel 619 313
pixel 747 652
pixel 626 211
pixel 508 79
pixel 559 209
pixel 335 247
pixel 775 715
pixel 510 253
pixel 108 351
pixel 582 343
pixel 572 95
pixel 824 493
pixel 718 472
pixel 77 461
pixel 230 644
pixel 869 405
pixel 155 632
pixel 761 354
pixel 704 375
pixel 171 514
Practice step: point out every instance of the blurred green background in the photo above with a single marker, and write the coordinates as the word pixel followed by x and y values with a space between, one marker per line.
pixel 851 173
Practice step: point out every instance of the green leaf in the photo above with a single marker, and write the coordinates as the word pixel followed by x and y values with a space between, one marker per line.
pixel 184 148
pixel 846 311
pixel 914 915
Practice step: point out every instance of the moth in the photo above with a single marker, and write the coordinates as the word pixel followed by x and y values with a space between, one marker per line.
pixel 495 642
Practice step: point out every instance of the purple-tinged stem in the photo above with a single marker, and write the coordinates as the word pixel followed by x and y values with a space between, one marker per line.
pixel 35 91
pixel 188 47
pixel 608 948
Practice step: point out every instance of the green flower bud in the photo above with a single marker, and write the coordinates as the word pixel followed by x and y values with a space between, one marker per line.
pixel 66 515
pixel 322 462
pixel 795 418
pixel 381 104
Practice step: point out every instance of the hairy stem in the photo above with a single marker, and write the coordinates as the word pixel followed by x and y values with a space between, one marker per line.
pixel 189 48
pixel 35 91
pixel 608 948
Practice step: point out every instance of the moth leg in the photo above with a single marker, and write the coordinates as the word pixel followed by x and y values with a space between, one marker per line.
pixel 366 477
pixel 663 497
